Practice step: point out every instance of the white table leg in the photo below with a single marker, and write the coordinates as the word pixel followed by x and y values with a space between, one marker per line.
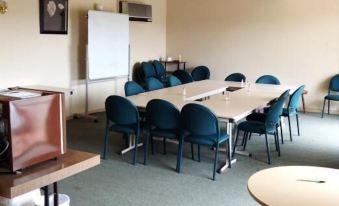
pixel 227 162
pixel 131 144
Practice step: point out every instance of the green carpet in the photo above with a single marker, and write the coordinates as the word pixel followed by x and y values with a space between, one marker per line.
pixel 117 182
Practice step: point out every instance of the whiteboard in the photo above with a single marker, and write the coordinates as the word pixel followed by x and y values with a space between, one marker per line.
pixel 108 45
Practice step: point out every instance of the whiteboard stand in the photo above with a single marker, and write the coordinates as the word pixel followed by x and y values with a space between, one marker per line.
pixel 86 115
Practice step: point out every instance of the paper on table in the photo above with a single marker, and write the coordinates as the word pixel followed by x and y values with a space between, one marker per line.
pixel 19 94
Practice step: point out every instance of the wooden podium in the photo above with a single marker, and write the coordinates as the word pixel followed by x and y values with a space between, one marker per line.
pixel 33 122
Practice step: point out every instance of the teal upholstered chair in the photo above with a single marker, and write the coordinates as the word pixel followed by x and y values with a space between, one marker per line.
pixel 173 81
pixel 292 108
pixel 132 88
pixel 268 79
pixel 236 77
pixel 122 117
pixel 200 73
pixel 183 76
pixel 153 84
pixel 333 87
pixel 163 120
pixel 201 127
pixel 269 125
pixel 160 72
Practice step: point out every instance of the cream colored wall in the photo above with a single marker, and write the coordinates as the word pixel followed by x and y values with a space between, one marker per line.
pixel 298 41
pixel 29 58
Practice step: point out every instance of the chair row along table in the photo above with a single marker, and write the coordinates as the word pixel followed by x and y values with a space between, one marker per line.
pixel 229 107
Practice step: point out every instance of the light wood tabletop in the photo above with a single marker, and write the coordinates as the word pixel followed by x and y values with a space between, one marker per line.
pixel 295 185
pixel 46 173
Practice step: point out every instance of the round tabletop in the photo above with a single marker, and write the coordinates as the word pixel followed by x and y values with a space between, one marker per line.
pixel 295 185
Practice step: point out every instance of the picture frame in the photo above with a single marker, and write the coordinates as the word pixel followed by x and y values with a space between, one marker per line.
pixel 53 16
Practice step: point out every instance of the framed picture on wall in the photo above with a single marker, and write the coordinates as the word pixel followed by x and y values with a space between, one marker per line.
pixel 53 16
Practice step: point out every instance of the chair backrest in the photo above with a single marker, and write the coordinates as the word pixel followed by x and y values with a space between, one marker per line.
pixel 236 77
pixel 200 73
pixel 153 84
pixel 148 70
pixel 159 68
pixel 183 76
pixel 198 120
pixel 294 102
pixel 121 111
pixel 334 84
pixel 274 112
pixel 162 114
pixel 133 88
pixel 268 79
pixel 173 81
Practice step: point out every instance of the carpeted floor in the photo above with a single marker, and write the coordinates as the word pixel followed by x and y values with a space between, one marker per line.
pixel 117 182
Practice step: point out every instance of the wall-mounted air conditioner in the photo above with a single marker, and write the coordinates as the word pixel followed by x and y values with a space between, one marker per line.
pixel 136 11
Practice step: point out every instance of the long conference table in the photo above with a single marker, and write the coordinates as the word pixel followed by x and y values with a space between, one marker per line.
pixel 229 107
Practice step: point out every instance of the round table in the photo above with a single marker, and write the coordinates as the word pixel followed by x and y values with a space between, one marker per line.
pixel 295 185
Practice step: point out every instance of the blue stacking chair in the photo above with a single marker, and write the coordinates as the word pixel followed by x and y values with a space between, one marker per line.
pixel 292 108
pixel 160 71
pixel 173 81
pixel 148 70
pixel 333 86
pixel 122 117
pixel 268 79
pixel 183 76
pixel 200 73
pixel 201 127
pixel 268 126
pixel 236 77
pixel 163 120
pixel 153 84
pixel 133 88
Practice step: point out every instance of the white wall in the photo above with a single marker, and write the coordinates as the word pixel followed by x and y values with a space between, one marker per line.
pixel 298 41
pixel 30 58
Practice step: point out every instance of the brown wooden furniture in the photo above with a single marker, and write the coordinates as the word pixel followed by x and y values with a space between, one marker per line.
pixel 46 173
pixel 295 185
pixel 175 62
pixel 35 126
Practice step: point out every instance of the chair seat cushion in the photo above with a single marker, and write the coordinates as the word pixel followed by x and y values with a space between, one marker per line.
pixel 207 139
pixel 332 97
pixel 258 117
pixel 167 133
pixel 288 112
pixel 129 129
pixel 256 127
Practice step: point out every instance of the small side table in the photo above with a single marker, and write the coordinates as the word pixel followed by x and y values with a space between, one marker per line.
pixel 177 62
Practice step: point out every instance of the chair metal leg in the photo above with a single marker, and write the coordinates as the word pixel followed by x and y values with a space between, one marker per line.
pixel 228 153
pixel 235 143
pixel 297 117
pixel 328 107
pixel 281 133
pixel 152 144
pixel 267 150
pixel 192 151
pixel 243 138
pixel 216 160
pixel 125 137
pixel 199 157
pixel 105 142
pixel 278 144
pixel 303 102
pixel 136 139
pixel 164 145
pixel 248 135
pixel 147 137
pixel 179 155
pixel 289 126
pixel 322 113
